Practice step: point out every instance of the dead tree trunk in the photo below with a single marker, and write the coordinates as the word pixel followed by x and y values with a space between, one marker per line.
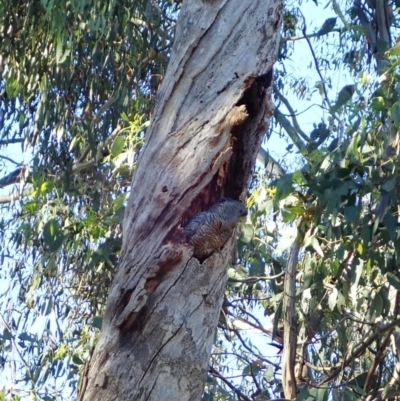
pixel 210 118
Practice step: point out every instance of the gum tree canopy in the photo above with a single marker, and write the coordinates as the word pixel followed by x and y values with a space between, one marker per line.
pixel 310 310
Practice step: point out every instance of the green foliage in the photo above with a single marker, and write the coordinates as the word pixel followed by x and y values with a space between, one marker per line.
pixel 77 85
pixel 341 203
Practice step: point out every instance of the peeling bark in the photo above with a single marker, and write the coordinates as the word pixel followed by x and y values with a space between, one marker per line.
pixel 210 118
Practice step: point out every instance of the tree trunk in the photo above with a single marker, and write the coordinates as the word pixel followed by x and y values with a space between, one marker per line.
pixel 209 121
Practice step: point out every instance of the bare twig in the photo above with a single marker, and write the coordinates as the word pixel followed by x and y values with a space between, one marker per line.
pixel 15 347
pixel 317 67
pixel 229 384
pixel 258 356
pixel 291 131
pixel 292 113
pixel 10 160
pixel 311 35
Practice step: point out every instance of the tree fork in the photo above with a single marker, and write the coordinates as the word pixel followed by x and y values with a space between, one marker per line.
pixel 210 118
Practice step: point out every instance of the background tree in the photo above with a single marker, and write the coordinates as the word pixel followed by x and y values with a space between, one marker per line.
pixel 338 186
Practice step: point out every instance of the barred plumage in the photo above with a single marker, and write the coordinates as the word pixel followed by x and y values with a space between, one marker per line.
pixel 208 231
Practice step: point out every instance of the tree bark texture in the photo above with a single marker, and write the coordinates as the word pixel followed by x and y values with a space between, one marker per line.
pixel 289 324
pixel 209 121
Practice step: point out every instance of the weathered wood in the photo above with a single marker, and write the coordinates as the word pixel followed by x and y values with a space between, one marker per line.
pixel 289 324
pixel 209 121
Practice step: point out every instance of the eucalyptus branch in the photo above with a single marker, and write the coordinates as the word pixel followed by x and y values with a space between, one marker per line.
pixel 84 154
pixel 382 21
pixel 12 177
pixel 215 373
pixel 234 354
pixel 255 279
pixel 281 399
pixel 11 141
pixel 366 24
pixel 15 196
pixel 258 356
pixel 250 315
pixel 290 130
pixel 10 160
pixel 257 326
pixel 317 67
pixel 311 35
pixel 289 323
pixel 139 22
pixel 379 356
pixel 103 108
pixel 272 167
pixel 255 381
pixel 76 167
pixel 15 347
pixel 360 348
pixel 332 330
pixel 292 114
pixel 339 13
pixel 324 369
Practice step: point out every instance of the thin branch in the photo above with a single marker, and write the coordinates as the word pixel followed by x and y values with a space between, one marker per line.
pixel 287 126
pixel 104 108
pixel 383 29
pixel 377 360
pixel 379 355
pixel 258 356
pixel 338 11
pixel 100 147
pixel 15 196
pixel 360 348
pixel 229 384
pixel 367 25
pixel 250 315
pixel 292 113
pixel 10 160
pixel 272 167
pixel 258 391
pixel 76 167
pixel 311 35
pixel 11 178
pixel 15 347
pixel 84 154
pixel 317 67
pixel 257 326
pixel 255 279
pixel 281 399
pixel 324 369
pixel 11 141
pixel 332 330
